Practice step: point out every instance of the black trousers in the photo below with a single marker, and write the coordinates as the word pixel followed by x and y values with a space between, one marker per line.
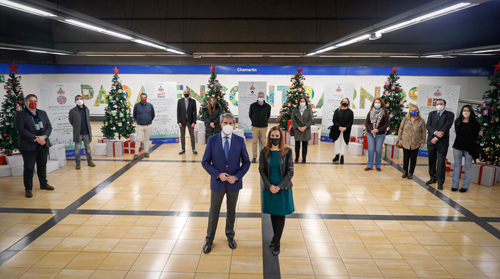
pixel 410 156
pixel 39 156
pixel 437 152
pixel 213 216
pixel 304 149
pixel 278 222
pixel 183 135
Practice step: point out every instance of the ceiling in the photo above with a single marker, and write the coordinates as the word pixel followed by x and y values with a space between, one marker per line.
pixel 258 26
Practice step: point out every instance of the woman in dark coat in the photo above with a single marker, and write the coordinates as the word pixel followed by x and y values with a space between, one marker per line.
pixel 212 118
pixel 341 131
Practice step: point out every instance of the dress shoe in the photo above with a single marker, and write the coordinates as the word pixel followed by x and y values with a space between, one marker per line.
pixel 208 247
pixel 91 164
pixel 368 169
pixel 77 167
pixel 28 194
pixel 232 243
pixel 440 186
pixel 410 176
pixel 276 251
pixel 303 160
pixel 46 187
pixel 146 155
pixel 254 160
pixel 182 152
pixel 379 169
pixel 341 160
pixel 271 244
pixel 462 190
pixel 336 159
pixel 405 174
pixel 432 181
pixel 454 189
pixel 195 152
pixel 136 157
pixel 296 160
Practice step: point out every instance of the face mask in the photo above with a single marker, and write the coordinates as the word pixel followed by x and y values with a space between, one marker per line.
pixel 440 107
pixel 212 103
pixel 302 105
pixel 32 105
pixel 377 105
pixel 79 102
pixel 275 141
pixel 414 113
pixel 260 100
pixel 186 95
pixel 466 114
pixel 228 129
pixel 345 104
pixel 144 101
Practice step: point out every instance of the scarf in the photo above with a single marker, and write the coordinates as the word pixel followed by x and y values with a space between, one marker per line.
pixel 40 130
pixel 376 116
pixel 302 109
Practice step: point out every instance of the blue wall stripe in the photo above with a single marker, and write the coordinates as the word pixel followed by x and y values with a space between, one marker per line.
pixel 247 70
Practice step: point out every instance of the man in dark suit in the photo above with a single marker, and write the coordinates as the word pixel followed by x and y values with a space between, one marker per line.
pixel 186 117
pixel 226 160
pixel 439 123
pixel 33 129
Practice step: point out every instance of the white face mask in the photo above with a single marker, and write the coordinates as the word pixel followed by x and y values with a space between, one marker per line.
pixel 228 129
pixel 260 100
pixel 302 105
pixel 466 114
pixel 439 107
pixel 79 102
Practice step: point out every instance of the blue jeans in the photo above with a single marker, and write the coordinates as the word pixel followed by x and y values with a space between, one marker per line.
pixel 457 156
pixel 375 145
pixel 88 151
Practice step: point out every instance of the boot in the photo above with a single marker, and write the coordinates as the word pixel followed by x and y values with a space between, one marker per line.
pixel 77 166
pixel 336 159
pixel 91 164
pixel 341 160
pixel 405 174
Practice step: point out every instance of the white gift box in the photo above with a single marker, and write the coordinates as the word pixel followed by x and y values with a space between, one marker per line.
pixel 356 131
pixel 58 152
pixel 52 165
pixel 314 138
pixel 365 152
pixel 195 136
pixel 114 148
pixel 391 140
pixel 5 170
pixel 201 138
pixel 361 141
pixel 104 140
pixel 391 151
pixel 17 171
pixel 133 137
pixel 483 174
pixel 292 140
pixel 287 138
pixel 239 132
pixel 100 149
pixel 355 148
pixel 314 129
pixel 200 126
pixel 15 161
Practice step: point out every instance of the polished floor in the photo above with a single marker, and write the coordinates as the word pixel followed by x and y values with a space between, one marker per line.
pixel 148 218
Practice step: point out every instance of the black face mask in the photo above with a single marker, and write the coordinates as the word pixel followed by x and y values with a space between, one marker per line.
pixel 345 104
pixel 275 141
pixel 186 95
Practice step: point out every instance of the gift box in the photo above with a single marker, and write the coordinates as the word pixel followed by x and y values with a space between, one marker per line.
pixel 314 138
pixel 5 170
pixel 150 144
pixel 361 141
pixel 239 132
pixel 104 140
pixel 292 140
pixel 365 152
pixel 100 149
pixel 17 171
pixel 129 147
pixel 15 161
pixel 3 159
pixel 52 165
pixel 365 143
pixel 353 139
pixel 200 126
pixel 201 138
pixel 287 137
pixel 391 151
pixel 58 152
pixel 133 137
pixel 114 148
pixel 391 140
pixel 195 136
pixel 483 174
pixel 356 131
pixel 355 148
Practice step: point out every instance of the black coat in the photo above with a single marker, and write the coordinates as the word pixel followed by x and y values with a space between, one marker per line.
pixel 75 119
pixel 215 118
pixel 26 130
pixel 444 124
pixel 286 169
pixel 181 111
pixel 342 118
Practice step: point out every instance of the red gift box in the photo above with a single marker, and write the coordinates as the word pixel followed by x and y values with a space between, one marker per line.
pixel 365 143
pixel 129 147
pixel 353 139
pixel 3 159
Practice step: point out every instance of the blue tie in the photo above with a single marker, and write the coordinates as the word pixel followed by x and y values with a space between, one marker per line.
pixel 439 116
pixel 226 147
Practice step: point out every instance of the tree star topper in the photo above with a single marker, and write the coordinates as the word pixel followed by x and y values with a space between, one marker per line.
pixel 116 70
pixel 13 68
pixel 394 69
pixel 497 67
pixel 299 71
pixel 212 68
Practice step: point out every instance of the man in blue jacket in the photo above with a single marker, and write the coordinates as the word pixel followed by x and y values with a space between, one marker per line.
pixel 144 113
pixel 226 160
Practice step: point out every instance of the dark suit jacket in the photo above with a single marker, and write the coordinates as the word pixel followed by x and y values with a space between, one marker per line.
pixel 181 111
pixel 26 131
pixel 75 119
pixel 214 162
pixel 444 124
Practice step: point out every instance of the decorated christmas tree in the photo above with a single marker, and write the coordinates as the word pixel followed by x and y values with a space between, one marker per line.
pixel 215 89
pixel 14 101
pixel 297 90
pixel 118 121
pixel 488 115
pixel 394 102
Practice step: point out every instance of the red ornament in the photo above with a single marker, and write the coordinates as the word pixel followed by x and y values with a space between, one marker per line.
pixel 116 121
pixel 131 124
pixel 14 82
pixel 20 94
pixel 304 78
pixel 487 153
pixel 104 109
pixel 497 67
pixel 128 136
pixel 212 68
pixel 492 108
pixel 395 128
pixel 8 91
pixel 492 121
pixel 13 68
pixel 119 107
pixel 5 135
pixel 116 70
pixel 213 81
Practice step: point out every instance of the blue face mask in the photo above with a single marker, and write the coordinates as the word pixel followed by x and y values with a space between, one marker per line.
pixel 302 105
pixel 260 100
pixel 377 105
pixel 414 113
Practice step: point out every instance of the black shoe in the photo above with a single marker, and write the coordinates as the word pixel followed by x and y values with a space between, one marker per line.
pixel 195 152
pixel 208 247
pixel 440 186
pixel 432 181
pixel 271 244
pixel 276 251
pixel 336 159
pixel 232 243
pixel 405 174
pixel 341 160
pixel 303 160
pixel 46 187
pixel 28 194
pixel 182 152
pixel 454 189
pixel 463 190
pixel 296 160
pixel 368 169
pixel 410 176
pixel 254 160
pixel 379 169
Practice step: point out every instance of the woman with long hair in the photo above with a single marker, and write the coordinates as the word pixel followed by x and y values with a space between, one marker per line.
pixel 376 124
pixel 302 119
pixel 467 128
pixel 212 118
pixel 276 172
pixel 343 117
pixel 411 137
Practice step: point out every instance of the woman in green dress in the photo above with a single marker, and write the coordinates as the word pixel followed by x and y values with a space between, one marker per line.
pixel 276 172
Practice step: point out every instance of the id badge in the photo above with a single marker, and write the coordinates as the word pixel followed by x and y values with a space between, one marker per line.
pixel 37 126
pixel 41 125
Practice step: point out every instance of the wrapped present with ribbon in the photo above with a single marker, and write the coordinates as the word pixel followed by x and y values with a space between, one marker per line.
pixel 201 137
pixel 15 161
pixel 365 143
pixel 57 152
pixel 5 170
pixel 314 135
pixel 114 148
pixel 391 140
pixel 3 159
pixel 104 140
pixel 352 139
pixel 391 151
pixel 52 165
pixel 357 131
pixel 484 174
pixel 129 147
pixel 355 148
pixel 133 137
pixel 100 149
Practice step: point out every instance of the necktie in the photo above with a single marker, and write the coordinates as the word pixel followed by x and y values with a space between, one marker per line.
pixel 226 147
pixel 439 116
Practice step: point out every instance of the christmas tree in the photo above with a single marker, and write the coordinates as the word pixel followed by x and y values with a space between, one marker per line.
pixel 394 102
pixel 14 101
pixel 488 115
pixel 297 90
pixel 118 121
pixel 215 89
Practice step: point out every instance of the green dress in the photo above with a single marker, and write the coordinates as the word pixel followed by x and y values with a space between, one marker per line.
pixel 280 203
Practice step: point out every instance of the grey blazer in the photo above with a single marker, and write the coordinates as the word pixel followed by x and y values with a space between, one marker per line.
pixel 306 119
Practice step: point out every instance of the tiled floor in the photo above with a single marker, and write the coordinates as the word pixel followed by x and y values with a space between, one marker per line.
pixel 148 220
